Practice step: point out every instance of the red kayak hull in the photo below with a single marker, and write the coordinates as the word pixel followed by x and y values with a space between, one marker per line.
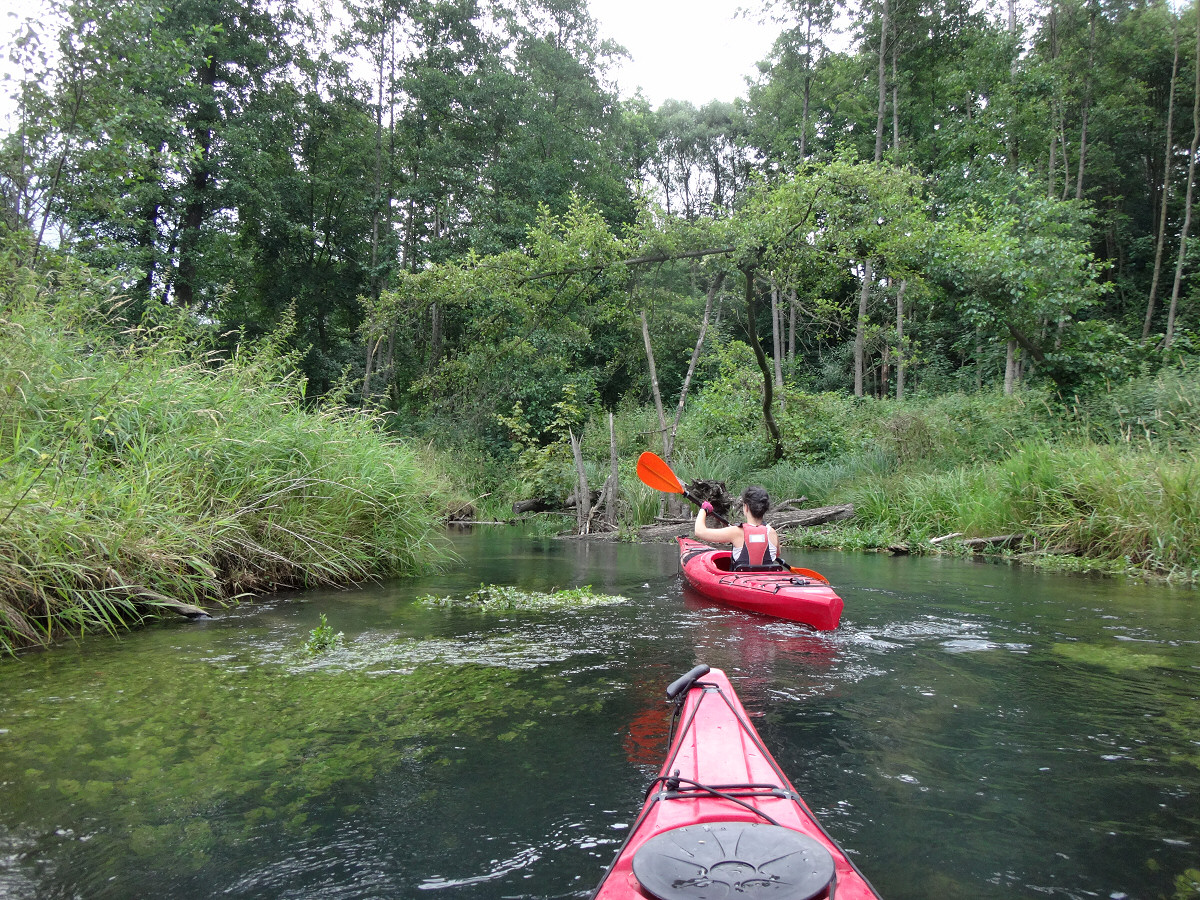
pixel 780 594
pixel 717 746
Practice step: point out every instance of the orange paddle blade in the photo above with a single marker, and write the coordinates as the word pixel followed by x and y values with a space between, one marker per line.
pixel 809 573
pixel 654 473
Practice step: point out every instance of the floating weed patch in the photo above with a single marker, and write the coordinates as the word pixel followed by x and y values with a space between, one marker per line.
pixel 1116 659
pixel 323 639
pixel 499 598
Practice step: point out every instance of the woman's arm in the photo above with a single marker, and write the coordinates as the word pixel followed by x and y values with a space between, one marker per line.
pixel 719 535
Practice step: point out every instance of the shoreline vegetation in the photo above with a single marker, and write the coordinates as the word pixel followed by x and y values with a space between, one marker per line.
pixel 152 467
pixel 1110 485
pixel 147 473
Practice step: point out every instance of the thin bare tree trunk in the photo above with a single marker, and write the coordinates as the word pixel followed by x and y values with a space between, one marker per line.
pixel 792 326
pixel 1187 204
pixel 583 494
pixel 1010 366
pixel 776 339
pixel 658 406
pixel 610 511
pixel 1050 173
pixel 1166 193
pixel 860 329
pixel 669 434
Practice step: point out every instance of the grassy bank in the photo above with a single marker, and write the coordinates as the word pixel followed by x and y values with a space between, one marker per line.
pixel 143 469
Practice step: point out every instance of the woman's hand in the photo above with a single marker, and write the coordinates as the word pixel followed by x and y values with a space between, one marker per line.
pixel 706 506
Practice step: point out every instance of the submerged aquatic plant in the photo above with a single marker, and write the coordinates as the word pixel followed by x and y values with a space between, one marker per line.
pixel 493 597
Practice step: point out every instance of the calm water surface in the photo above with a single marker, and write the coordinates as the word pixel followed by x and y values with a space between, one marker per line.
pixel 971 731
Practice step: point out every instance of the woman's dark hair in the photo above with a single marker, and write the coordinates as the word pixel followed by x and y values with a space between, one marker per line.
pixel 756 501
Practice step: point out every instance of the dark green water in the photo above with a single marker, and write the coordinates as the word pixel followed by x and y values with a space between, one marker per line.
pixel 972 731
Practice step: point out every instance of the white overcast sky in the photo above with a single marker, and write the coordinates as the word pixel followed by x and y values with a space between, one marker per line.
pixel 694 50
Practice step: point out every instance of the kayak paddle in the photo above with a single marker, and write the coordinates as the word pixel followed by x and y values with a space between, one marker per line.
pixel 653 472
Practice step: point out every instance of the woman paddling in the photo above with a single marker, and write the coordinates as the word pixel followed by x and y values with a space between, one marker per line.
pixel 754 543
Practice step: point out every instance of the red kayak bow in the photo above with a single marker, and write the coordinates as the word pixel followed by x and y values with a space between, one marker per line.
pixel 722 820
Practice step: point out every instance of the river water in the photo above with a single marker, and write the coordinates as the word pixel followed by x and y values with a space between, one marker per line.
pixel 971 731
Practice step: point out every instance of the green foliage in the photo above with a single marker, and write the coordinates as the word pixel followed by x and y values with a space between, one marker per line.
pixel 726 413
pixel 504 598
pixel 322 639
pixel 144 469
pixel 1187 885
pixel 541 459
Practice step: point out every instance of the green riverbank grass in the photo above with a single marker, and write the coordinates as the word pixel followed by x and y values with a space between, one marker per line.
pixel 141 472
pixel 1104 508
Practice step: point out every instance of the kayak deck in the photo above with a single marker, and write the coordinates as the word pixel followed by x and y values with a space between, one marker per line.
pixel 780 593
pixel 723 820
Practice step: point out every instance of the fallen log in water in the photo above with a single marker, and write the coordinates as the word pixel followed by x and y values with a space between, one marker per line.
pixel 801 518
pixel 1002 542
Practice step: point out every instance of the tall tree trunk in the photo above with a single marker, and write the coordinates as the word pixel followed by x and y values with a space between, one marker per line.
pixel 768 392
pixel 583 493
pixel 1087 100
pixel 1053 28
pixel 895 89
pixel 1187 203
pixel 196 209
pixel 882 105
pixel 1165 195
pixel 1010 368
pixel 1066 155
pixel 658 406
pixel 776 336
pixel 1050 173
pixel 610 511
pixel 791 326
pixel 900 339
pixel 378 181
pixel 860 328
pixel 669 440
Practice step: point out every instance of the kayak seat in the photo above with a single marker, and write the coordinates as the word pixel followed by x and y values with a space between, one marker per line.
pixel 728 859
pixel 771 568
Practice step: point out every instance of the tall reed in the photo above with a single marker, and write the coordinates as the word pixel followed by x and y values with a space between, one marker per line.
pixel 142 471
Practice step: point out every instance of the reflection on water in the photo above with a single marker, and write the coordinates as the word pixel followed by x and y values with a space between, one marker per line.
pixel 970 731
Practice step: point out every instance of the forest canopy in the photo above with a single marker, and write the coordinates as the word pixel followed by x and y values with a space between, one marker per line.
pixel 458 212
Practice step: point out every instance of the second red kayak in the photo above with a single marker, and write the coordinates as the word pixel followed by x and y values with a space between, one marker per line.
pixel 722 820
pixel 780 593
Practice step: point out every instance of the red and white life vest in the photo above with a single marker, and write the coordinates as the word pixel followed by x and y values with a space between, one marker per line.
pixel 756 549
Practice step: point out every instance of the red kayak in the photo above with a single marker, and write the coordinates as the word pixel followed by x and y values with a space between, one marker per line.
pixel 771 592
pixel 722 820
